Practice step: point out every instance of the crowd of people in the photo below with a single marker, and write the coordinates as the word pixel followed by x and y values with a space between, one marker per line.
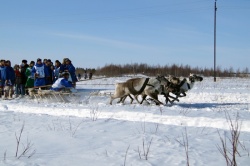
pixel 14 81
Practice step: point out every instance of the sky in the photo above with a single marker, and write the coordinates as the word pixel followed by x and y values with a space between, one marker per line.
pixel 97 33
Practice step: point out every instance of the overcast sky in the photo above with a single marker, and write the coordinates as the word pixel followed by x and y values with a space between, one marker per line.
pixel 93 33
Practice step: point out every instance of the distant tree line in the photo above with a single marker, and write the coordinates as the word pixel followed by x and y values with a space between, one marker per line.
pixel 176 70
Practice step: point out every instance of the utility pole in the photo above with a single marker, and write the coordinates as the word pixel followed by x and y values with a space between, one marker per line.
pixel 215 9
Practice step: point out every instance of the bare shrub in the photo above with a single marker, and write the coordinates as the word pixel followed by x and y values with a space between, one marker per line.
pixel 184 143
pixel 230 145
pixel 124 164
pixel 26 147
pixel 145 149
pixel 4 155
pixel 73 129
pixel 94 113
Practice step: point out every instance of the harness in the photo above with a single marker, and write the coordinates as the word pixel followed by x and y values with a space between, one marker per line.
pixel 158 78
pixel 183 81
pixel 144 85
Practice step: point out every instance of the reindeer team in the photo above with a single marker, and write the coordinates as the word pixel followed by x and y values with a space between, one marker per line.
pixel 153 87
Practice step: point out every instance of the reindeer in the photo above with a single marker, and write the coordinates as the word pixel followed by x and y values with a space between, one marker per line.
pixel 137 86
pixel 179 87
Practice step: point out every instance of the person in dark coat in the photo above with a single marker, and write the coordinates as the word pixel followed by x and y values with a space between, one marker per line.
pixel 63 66
pixel 71 69
pixel 48 72
pixel 79 76
pixel 24 78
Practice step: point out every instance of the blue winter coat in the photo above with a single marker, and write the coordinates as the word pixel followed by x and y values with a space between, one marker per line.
pixel 63 68
pixel 3 75
pixel 60 84
pixel 72 72
pixel 56 73
pixel 39 81
pixel 48 74
pixel 10 75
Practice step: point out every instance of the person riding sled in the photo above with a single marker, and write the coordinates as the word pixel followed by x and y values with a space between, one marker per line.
pixel 62 83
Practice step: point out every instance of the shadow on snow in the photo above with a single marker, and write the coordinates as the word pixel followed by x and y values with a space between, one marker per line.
pixel 209 105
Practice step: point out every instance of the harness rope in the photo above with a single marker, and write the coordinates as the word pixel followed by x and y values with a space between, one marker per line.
pixel 183 81
pixel 144 85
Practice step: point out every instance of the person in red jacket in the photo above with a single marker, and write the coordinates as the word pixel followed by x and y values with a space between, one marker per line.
pixel 18 82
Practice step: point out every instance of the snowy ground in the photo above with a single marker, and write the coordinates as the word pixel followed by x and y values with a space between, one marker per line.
pixel 89 131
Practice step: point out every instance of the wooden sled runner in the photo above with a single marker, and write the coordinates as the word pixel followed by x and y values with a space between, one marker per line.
pixel 58 96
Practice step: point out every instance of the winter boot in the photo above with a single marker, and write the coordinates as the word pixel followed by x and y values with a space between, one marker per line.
pixel 11 92
pixel 6 92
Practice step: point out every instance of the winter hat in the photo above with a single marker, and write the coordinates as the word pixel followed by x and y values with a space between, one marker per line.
pixel 65 74
pixel 24 61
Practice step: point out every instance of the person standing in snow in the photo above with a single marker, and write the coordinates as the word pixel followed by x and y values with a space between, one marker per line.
pixel 71 69
pixel 9 81
pixel 79 76
pixel 90 75
pixel 85 74
pixel 2 75
pixel 48 72
pixel 24 66
pixel 63 66
pixel 18 80
pixel 56 70
pixel 30 76
pixel 39 73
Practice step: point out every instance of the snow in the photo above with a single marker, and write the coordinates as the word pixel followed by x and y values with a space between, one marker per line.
pixel 89 131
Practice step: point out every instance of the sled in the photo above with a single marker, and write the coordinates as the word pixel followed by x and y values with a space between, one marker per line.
pixel 63 95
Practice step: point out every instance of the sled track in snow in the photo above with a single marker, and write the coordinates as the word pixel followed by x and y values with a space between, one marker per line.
pixel 103 111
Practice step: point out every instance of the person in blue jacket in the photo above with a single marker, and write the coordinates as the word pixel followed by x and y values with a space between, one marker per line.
pixel 62 83
pixel 72 71
pixel 9 80
pixel 2 76
pixel 56 70
pixel 39 73
pixel 63 65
